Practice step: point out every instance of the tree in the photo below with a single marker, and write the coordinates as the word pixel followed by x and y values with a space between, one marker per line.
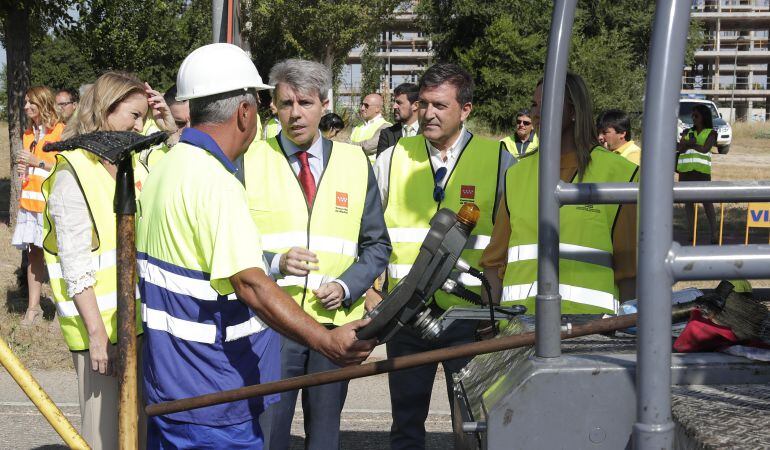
pixel 371 67
pixel 57 62
pixel 322 31
pixel 23 21
pixel 148 38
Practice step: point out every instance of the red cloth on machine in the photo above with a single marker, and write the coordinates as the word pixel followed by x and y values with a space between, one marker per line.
pixel 703 335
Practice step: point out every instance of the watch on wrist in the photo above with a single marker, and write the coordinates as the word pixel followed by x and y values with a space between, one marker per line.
pixel 41 164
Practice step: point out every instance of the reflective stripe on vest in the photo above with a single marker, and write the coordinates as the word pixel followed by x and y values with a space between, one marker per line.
pixel 692 160
pixel 98 193
pixel 587 281
pixel 330 228
pixel 365 131
pixel 411 205
pixel 31 191
pixel 272 128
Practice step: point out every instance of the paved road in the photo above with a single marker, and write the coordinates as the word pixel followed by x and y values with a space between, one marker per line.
pixel 365 419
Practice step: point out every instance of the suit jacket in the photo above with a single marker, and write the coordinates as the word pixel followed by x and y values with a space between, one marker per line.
pixel 388 137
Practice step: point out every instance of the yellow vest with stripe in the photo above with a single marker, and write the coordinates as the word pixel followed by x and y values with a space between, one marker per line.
pixel 364 131
pixel 329 228
pixel 586 275
pixel 98 188
pixel 510 145
pixel 272 128
pixel 693 160
pixel 411 205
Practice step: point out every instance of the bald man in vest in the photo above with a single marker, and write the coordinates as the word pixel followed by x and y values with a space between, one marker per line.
pixel 444 167
pixel 367 134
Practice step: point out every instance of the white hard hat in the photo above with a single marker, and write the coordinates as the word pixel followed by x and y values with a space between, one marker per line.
pixel 214 69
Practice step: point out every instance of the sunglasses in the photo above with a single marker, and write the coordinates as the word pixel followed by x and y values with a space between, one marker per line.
pixel 438 191
pixel 523 122
pixel 365 105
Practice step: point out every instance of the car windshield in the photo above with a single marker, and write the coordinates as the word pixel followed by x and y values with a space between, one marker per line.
pixel 685 111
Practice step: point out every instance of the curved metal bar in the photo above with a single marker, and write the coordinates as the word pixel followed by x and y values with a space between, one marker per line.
pixel 654 427
pixel 548 300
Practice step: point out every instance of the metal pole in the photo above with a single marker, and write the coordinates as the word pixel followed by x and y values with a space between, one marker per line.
pixel 712 262
pixel 40 398
pixel 125 208
pixel 548 299
pixel 654 427
pixel 686 191
pixel 218 20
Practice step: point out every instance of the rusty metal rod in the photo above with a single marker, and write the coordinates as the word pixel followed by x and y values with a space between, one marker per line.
pixel 403 362
pixel 125 208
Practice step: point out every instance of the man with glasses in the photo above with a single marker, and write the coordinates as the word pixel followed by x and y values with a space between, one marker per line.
pixel 524 140
pixel 444 167
pixel 66 103
pixel 367 134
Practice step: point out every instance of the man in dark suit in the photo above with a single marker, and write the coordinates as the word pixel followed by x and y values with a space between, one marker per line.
pixel 405 112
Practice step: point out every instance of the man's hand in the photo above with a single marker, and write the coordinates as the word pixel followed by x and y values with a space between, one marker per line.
pixel 161 113
pixel 102 354
pixel 330 295
pixel 298 261
pixel 343 348
pixel 373 298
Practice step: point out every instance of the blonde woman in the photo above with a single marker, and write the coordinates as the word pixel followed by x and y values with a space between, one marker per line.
pixel 80 243
pixel 597 265
pixel 33 167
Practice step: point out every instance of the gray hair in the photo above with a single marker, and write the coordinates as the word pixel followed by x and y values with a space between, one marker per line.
pixel 307 77
pixel 219 108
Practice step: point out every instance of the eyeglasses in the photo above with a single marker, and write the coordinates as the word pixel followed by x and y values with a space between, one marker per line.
pixel 438 191
pixel 523 122
pixel 365 105
pixel 64 103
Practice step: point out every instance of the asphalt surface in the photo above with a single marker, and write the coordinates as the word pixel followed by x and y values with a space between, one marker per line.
pixel 365 419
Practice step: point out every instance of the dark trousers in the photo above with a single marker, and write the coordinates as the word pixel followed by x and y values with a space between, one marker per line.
pixel 321 405
pixel 410 389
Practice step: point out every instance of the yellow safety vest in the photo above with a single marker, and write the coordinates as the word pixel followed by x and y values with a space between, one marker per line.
pixel 693 160
pixel 411 205
pixel 272 128
pixel 586 274
pixel 99 190
pixel 329 227
pixel 510 145
pixel 364 131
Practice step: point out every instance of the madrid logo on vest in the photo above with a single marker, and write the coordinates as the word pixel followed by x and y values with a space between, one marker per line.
pixel 467 193
pixel 341 202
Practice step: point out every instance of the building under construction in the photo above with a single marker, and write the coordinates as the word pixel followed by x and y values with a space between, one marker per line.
pixel 731 65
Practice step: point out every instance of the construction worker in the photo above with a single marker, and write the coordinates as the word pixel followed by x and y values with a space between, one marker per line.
pixel 317 207
pixel 694 162
pixel 598 242
pixel 33 166
pixel 614 128
pixel 444 167
pixel 405 112
pixel 80 247
pixel 524 140
pixel 208 305
pixel 367 134
pixel 272 126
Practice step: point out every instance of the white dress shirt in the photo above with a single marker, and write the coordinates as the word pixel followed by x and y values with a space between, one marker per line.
pixel 410 130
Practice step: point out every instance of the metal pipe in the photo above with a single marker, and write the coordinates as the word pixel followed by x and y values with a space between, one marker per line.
pixel 218 34
pixel 711 262
pixel 125 208
pixel 654 427
pixel 400 363
pixel 40 398
pixel 686 191
pixel 548 299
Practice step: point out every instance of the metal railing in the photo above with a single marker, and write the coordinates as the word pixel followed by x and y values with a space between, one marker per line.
pixel 661 262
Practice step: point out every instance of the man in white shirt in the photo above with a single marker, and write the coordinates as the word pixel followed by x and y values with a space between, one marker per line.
pixel 405 106
pixel 367 134
pixel 444 167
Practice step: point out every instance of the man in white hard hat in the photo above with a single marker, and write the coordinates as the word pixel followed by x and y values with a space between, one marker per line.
pixel 207 304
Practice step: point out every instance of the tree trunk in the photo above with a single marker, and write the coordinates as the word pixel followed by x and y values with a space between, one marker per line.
pixel 17 68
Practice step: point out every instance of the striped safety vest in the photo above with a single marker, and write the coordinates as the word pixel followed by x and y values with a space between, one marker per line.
pixel 272 128
pixel 98 188
pixel 693 160
pixel 31 190
pixel 510 145
pixel 329 227
pixel 365 131
pixel 586 274
pixel 411 205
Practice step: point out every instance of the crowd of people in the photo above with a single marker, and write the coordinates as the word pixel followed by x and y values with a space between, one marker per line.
pixel 260 249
